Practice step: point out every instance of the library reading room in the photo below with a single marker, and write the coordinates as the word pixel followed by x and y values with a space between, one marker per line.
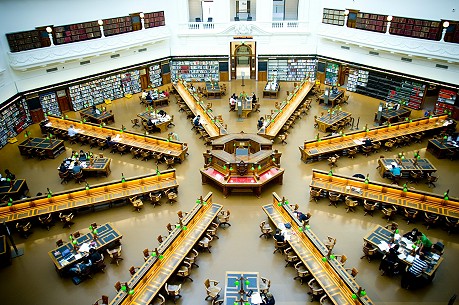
pixel 229 152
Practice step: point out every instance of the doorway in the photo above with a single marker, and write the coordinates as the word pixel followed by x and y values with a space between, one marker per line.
pixel 207 10
pixel 243 60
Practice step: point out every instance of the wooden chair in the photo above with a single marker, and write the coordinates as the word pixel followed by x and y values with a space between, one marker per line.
pixel 388 145
pixel 137 203
pixel 279 246
pixel 341 258
pixel 136 153
pixel 392 226
pixel 66 220
pixel 369 208
pixel 352 152
pixel 315 194
pixel 212 230
pixel 223 218
pixel 146 154
pixel 330 242
pixel 121 148
pixel 159 300
pixel 59 243
pixel 76 234
pixel 79 177
pixel 204 243
pixel 115 255
pixel 431 179
pixel 430 219
pixel 333 160
pixel 334 198
pixel 155 198
pixel 24 229
pixel 173 291
pixel 102 144
pixel 169 228
pixel 368 251
pixel 415 177
pixel 376 147
pixel 451 224
pixel 366 150
pixel 135 123
pixel 192 257
pixel 282 137
pixel 316 290
pixel 169 162
pixel 171 196
pixel 350 204
pixel 212 290
pixel 302 272
pixel 410 215
pixel 102 301
pixel 265 284
pixel 325 300
pixel 46 221
pixel 266 230
pixel 291 258
pixel 389 212
pixel 184 271
pixel 352 271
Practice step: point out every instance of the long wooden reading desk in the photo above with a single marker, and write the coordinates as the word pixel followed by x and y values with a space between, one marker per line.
pixel 442 149
pixel 406 166
pixel 154 144
pixel 104 193
pixel 313 149
pixel 385 193
pixel 97 117
pixel 51 147
pixel 339 285
pixel 13 189
pixel 213 128
pixel 154 273
pixel 286 110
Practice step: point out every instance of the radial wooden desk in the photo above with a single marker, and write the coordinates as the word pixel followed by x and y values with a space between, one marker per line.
pixel 316 149
pixel 287 109
pixel 406 166
pixel 328 120
pixel 441 149
pixel 213 128
pixel 160 122
pixel 270 92
pixel 52 147
pixel 174 149
pixel 392 115
pixel 232 291
pixel 385 193
pixel 99 166
pixel 100 194
pixel 213 91
pixel 103 117
pixel 331 275
pixel 13 189
pixel 154 273
pixel 332 97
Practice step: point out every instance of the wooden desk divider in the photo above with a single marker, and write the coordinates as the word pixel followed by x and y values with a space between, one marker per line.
pixel 104 193
pixel 339 285
pixel 317 148
pixel 154 273
pixel 385 193
pixel 155 144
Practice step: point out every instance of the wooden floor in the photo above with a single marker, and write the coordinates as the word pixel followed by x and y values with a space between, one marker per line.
pixel 32 278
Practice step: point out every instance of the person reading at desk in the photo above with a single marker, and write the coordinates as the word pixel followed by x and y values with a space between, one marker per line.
pixel 71 131
pixel 144 95
pixel 82 156
pixel 80 268
pixel 268 299
pixel 63 167
pixel 197 121
pixel 301 216
pixel 148 98
pixel 413 235
pixel 279 237
pixel 367 142
pixel 261 122
pixel 76 168
pixel 426 244
pixel 390 260
pixel 413 277
pixel 396 171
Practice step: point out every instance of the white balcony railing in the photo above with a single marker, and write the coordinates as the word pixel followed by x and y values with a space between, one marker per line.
pixel 74 51
pixel 243 27
pixel 391 43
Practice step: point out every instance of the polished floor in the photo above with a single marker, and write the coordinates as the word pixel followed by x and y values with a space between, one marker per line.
pixel 31 279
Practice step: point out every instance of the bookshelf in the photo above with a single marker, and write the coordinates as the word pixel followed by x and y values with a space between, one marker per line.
pixel 130 81
pixel 331 73
pixel 195 70
pixel 156 79
pixel 118 25
pixel 76 32
pixel 292 69
pixel 332 16
pixel 407 93
pixel 49 103
pixel 14 118
pixel 22 41
pixel 154 19
pixel 277 69
pixel 424 29
pixel 357 77
pixel 95 92
pixel 371 22
pixel 446 100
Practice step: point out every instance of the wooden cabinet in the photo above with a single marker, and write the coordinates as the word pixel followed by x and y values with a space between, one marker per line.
pixel 37 115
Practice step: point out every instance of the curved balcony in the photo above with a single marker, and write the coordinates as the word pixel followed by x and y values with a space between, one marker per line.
pixel 76 51
pixel 391 43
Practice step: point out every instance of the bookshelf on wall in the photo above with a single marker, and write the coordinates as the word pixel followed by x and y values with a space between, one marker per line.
pixel 332 16
pixel 195 70
pixel 119 25
pixel 76 32
pixel 156 79
pixel 130 81
pixel 14 118
pixel 371 22
pixel 154 19
pixel 95 92
pixel 331 73
pixel 357 77
pixel 446 100
pixel 49 103
pixel 22 41
pixel 424 29
pixel 292 69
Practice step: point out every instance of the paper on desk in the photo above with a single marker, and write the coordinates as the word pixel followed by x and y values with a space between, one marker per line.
pixel 397 236
pixel 256 298
pixel 435 256
pixel 383 246
pixel 401 256
pixel 409 258
pixel 48 124
pixel 78 256
pixel 358 142
pixel 84 247
pixel 63 262
pixel 116 138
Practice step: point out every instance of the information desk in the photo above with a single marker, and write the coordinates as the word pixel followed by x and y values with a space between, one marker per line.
pixel 160 121
pixel 213 128
pixel 328 120
pixel 392 115
pixel 99 166
pixel 51 147
pixel 332 97
pixel 442 149
pixel 107 235
pixel 338 284
pixel 271 90
pixel 154 273
pixel 406 166
pixel 93 116
pixel 232 295
pixel 314 149
pixel 153 144
pixel 99 194
pixel 286 110
pixel 213 90
pixel 381 238
pixel 13 189
pixel 385 194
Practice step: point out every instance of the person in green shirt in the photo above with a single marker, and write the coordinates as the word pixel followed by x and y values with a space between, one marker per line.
pixel 426 244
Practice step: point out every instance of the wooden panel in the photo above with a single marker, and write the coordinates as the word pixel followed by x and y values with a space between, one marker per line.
pixel 224 76
pixel 262 75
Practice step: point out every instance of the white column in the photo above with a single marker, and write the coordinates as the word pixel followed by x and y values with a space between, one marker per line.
pixel 346 14
pixel 303 9
pixel 445 26
pixel 389 19
pixel 50 34
pixel 101 27
pixel 142 20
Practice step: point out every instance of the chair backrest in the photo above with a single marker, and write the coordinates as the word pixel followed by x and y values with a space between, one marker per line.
pixel 198 19
pixel 210 19
pixel 146 253
pixel 59 242
pixel 118 286
pixel 132 270
pixel 207 283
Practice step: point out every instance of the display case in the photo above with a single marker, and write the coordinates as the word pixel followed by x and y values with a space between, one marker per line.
pixel 195 70
pixel 154 72
pixel 371 22
pixel 424 29
pixel 117 25
pixel 130 81
pixel 49 103
pixel 446 101
pixel 332 16
pixel 14 118
pixel 331 74
pixel 154 19
pixel 76 32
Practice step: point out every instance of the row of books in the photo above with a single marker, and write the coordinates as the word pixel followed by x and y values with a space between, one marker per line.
pixel 14 118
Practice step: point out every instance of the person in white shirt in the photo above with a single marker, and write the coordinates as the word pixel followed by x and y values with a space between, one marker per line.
pixel 232 103
pixel 144 94
pixel 71 131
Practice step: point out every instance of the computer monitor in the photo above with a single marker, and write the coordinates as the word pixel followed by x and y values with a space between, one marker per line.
pixel 242 151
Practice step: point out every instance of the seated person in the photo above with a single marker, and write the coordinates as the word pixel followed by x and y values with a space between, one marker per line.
pixel 261 122
pixel 150 123
pixel 144 95
pixel 367 142
pixel 412 235
pixel 413 276
pixel 76 168
pixel 389 261
pixel 234 96
pixel 109 141
pixel 162 113
pixel 173 136
pixel 192 88
pixel 166 93
pixel 9 175
pixel 197 121
pixel 268 299
pixel 148 98
pixel 232 103
pixel 94 256
pixel 71 131
pixel 396 171
pixel 63 167
pixel 83 156
pixel 301 216
pixel 279 237
pixel 80 268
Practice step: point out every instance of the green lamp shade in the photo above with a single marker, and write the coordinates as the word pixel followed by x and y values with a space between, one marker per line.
pixel 74 242
pixel 90 228
pixel 95 231
pixel 153 254
pixel 131 292
pixel 247 282
pixel 300 229
pixel 259 167
pixel 236 283
pixel 184 228
pixel 198 201
pixel 161 256
pixel 224 167
pixel 231 168
pixel 124 288
pixel 252 168
pixel 354 296
pixel 330 173
pixel 308 227
pixel 49 195
pixel 397 231
pixel 177 226
pixel 332 256
pixel 279 204
pixel 363 293
pixel 324 259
